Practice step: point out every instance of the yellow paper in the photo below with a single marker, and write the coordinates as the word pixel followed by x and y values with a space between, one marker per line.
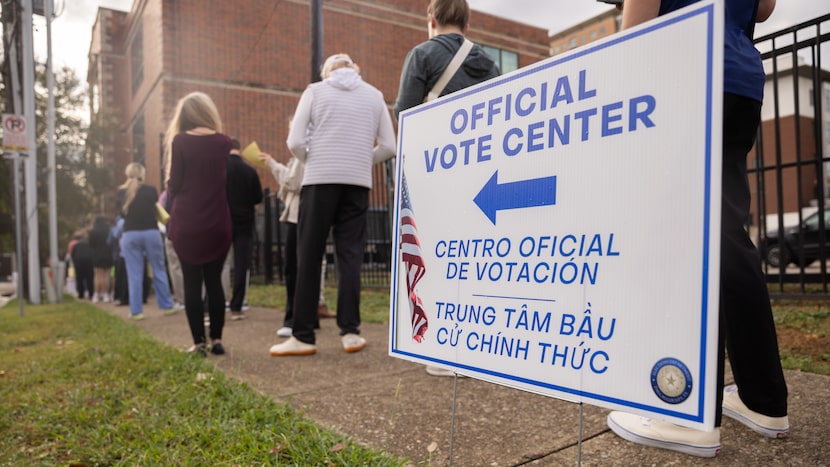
pixel 161 214
pixel 251 154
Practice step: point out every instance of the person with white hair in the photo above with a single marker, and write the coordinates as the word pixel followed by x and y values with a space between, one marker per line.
pixel 340 129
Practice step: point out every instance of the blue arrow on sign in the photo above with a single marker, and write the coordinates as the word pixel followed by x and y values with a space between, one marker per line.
pixel 515 195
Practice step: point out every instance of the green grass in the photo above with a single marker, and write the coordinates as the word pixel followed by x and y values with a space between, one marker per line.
pixel 82 387
pixel 374 302
pixel 804 335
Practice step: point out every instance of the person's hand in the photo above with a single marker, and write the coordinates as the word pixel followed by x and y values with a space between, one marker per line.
pixel 264 157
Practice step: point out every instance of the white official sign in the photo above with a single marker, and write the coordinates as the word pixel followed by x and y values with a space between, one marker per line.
pixel 558 227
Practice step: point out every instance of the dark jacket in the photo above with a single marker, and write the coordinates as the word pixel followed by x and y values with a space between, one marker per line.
pixel 98 241
pixel 244 192
pixel 425 63
pixel 82 255
pixel 141 214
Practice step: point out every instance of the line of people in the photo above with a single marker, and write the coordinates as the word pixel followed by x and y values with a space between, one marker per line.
pixel 341 127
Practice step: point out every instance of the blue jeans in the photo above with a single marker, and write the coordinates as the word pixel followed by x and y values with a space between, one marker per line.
pixel 135 246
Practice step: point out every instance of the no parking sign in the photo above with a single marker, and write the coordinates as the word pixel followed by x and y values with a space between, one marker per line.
pixel 557 228
pixel 15 133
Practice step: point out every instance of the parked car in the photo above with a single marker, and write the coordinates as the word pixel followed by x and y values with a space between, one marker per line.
pixel 801 244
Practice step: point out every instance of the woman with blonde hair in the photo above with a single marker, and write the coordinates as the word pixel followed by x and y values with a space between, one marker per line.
pixel 141 239
pixel 200 221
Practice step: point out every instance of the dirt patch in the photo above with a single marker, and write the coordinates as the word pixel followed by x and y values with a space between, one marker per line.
pixel 803 343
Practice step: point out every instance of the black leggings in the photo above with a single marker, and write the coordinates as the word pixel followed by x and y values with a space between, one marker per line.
pixel 209 274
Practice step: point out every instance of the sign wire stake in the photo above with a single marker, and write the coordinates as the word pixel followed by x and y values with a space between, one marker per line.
pixel 452 419
pixel 579 439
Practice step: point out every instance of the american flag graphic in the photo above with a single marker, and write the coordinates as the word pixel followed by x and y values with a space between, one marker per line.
pixel 414 262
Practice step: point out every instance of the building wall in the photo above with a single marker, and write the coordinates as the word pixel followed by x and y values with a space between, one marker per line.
pixel 108 99
pixel 253 58
pixel 798 177
pixel 788 89
pixel 602 25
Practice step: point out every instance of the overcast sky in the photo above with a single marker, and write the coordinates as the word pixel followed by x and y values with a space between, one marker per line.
pixel 72 29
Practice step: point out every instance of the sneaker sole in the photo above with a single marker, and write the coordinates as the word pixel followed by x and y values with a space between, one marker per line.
pixel 699 451
pixel 749 423
pixel 354 349
pixel 296 353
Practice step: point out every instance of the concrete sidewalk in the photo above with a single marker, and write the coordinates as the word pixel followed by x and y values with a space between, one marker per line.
pixel 390 404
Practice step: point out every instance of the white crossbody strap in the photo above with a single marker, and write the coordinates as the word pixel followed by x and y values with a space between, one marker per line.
pixel 448 73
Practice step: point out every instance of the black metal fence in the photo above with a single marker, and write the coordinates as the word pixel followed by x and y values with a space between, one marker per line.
pixel 269 251
pixel 789 171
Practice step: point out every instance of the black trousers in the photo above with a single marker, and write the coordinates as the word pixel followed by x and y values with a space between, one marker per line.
pixel 243 247
pixel 323 207
pixel 209 274
pixel 746 324
pixel 84 279
pixel 290 271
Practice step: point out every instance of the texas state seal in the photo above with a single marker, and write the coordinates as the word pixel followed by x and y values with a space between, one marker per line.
pixel 671 380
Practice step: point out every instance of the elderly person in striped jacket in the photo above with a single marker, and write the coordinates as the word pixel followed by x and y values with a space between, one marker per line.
pixel 341 128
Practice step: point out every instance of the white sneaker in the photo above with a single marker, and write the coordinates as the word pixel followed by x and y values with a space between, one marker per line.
pixel 178 306
pixel 771 427
pixel 438 371
pixel 106 298
pixel 293 346
pixel 352 343
pixel 96 298
pixel 664 435
pixel 284 331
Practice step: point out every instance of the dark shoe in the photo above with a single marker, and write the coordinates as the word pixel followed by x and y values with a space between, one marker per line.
pixel 198 350
pixel 217 349
pixel 324 312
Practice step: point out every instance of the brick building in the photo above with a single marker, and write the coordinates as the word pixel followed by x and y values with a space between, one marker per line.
pixel 602 25
pixel 253 58
pixel 795 136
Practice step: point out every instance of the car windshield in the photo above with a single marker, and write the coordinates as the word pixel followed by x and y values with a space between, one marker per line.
pixel 812 221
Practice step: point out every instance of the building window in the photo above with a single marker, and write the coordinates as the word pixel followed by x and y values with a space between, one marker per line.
pixel 137 58
pixel 139 148
pixel 506 60
pixel 574 43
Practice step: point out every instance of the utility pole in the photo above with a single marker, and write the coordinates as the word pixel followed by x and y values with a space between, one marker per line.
pixel 54 265
pixel 30 206
pixel 11 29
pixel 316 39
